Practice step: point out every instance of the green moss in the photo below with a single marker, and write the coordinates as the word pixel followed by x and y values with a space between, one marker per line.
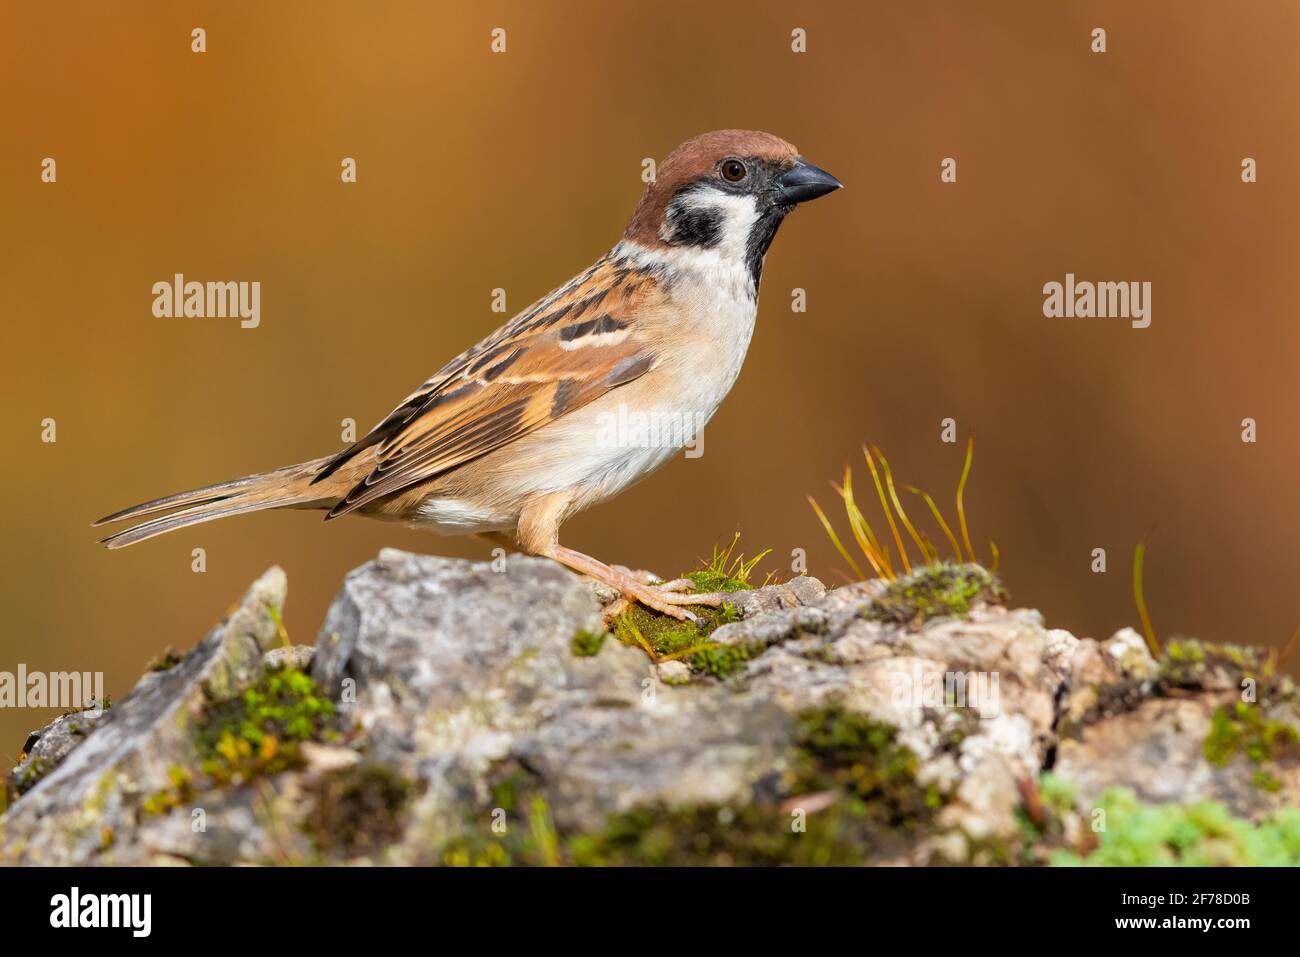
pixel 1196 664
pixel 514 828
pixel 726 571
pixel 1056 793
pixel 849 751
pixel 934 591
pixel 1266 781
pixel 259 732
pixel 30 775
pixel 179 791
pixel 851 797
pixel 665 638
pixel 357 810
pixel 722 661
pixel 93 706
pixel 1204 834
pixel 587 644
pixel 1243 729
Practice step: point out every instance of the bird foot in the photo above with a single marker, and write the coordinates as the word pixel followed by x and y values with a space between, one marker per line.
pixel 661 598
pixel 667 599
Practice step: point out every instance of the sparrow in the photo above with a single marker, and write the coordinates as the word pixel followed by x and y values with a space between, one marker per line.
pixel 517 433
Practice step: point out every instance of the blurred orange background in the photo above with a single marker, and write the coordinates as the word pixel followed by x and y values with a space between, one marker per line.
pixel 479 170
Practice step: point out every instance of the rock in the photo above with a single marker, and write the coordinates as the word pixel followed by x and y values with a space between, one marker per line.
pixel 470 712
pixel 291 656
pixel 1158 751
pixel 792 594
pixel 76 811
pixel 674 672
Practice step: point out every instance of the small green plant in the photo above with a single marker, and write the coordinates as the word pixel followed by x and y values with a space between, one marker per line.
pixel 666 639
pixel 179 791
pixel 1204 834
pixel 727 571
pixel 30 775
pixel 1139 598
pixel 1243 729
pixel 876 549
pixel 259 732
pixel 587 644
pixel 851 797
pixel 935 591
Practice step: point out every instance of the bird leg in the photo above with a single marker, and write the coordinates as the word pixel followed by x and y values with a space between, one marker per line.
pixel 539 534
pixel 650 578
pixel 657 597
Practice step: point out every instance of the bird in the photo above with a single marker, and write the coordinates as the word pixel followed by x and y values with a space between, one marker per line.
pixel 521 431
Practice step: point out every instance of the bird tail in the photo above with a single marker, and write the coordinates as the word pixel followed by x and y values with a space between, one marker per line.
pixel 288 487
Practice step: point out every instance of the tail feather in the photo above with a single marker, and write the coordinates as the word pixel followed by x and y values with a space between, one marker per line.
pixel 287 487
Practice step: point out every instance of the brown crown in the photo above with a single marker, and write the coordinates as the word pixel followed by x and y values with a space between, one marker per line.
pixel 698 157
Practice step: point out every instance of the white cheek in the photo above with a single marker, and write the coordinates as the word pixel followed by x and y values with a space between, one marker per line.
pixel 739 214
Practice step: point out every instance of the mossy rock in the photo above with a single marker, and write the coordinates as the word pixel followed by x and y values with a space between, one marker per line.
pixel 934 591
pixel 667 639
pixel 358 810
pixel 1242 728
pixel 851 797
pixel 258 732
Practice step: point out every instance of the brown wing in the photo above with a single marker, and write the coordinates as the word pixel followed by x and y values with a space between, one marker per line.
pixel 572 346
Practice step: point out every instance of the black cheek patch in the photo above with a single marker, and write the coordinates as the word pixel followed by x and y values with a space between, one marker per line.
pixel 700 228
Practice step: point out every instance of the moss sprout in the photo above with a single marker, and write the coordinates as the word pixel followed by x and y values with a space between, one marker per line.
pixel 886 563
pixel 727 571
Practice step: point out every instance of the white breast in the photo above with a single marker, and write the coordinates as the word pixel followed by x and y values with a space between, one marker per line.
pixel 616 440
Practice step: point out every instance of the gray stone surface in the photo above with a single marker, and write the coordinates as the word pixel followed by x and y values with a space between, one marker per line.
pixel 445 673
pixel 79 811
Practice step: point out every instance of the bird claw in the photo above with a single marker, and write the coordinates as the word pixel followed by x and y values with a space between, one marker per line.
pixel 661 599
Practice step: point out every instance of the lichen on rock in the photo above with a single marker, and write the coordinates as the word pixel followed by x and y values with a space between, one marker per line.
pixel 456 712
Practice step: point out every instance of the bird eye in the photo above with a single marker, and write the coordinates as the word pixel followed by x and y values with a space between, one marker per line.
pixel 733 171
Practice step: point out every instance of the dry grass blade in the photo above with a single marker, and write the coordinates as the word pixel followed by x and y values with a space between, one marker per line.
pixel 938 517
pixel 862 531
pixel 1286 649
pixel 835 539
pixel 961 491
pixel 927 551
pixel 1139 553
pixel 889 515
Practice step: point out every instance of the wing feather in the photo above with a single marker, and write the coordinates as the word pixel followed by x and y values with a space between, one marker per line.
pixel 566 350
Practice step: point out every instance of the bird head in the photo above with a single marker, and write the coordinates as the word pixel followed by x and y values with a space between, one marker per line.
pixel 726 191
